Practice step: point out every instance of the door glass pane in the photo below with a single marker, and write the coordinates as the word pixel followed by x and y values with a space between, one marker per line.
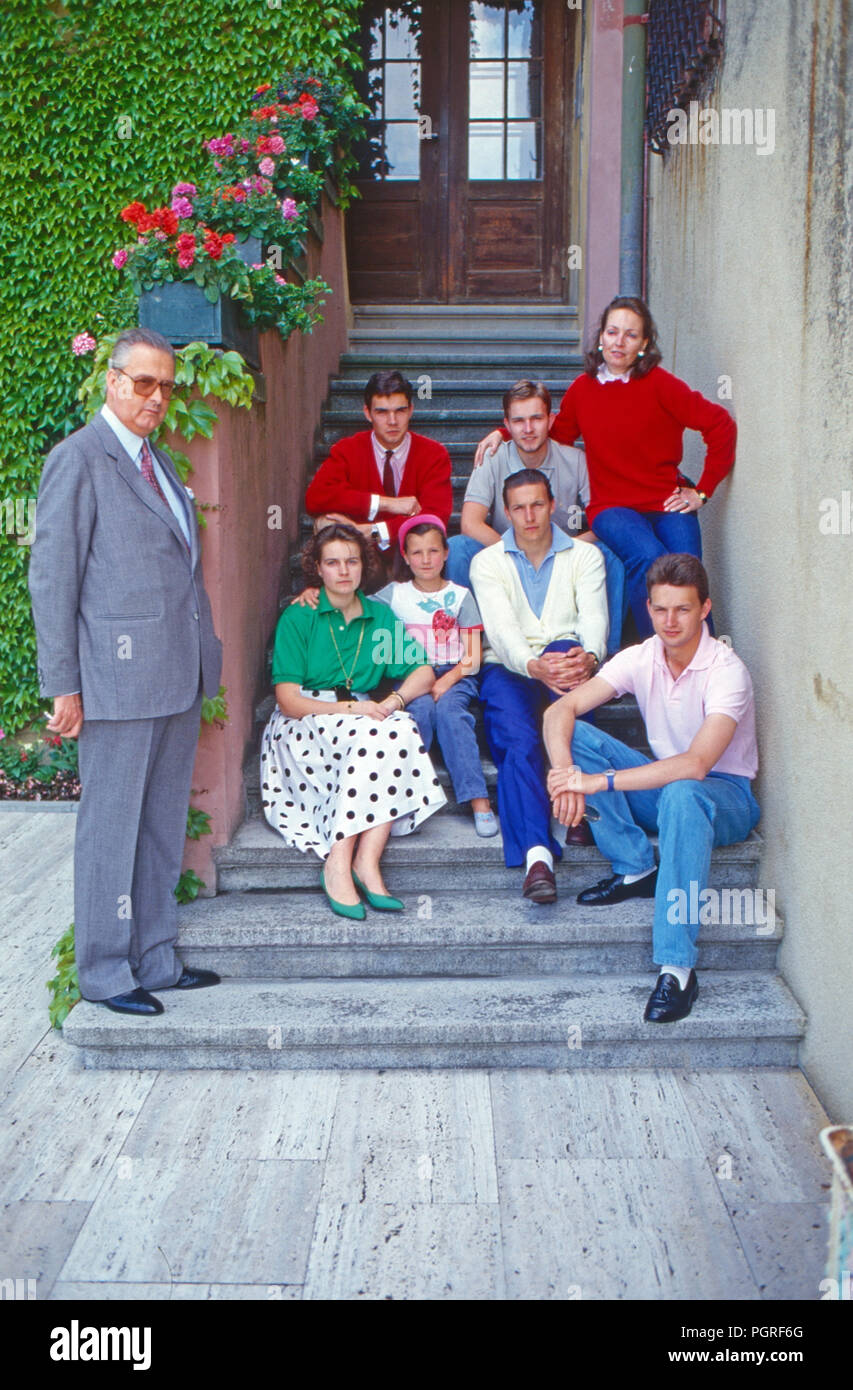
pixel 522 150
pixel 485 150
pixel 402 91
pixel 486 90
pixel 402 33
pixel 487 31
pixel 402 151
pixel 524 85
pixel 390 84
pixel 524 39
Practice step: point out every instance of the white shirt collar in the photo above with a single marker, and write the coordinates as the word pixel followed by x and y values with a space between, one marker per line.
pixel 130 442
pixel 605 374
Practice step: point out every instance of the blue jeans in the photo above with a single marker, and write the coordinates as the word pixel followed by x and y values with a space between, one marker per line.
pixel 462 549
pixel 513 706
pixel 638 538
pixel 450 719
pixel 690 818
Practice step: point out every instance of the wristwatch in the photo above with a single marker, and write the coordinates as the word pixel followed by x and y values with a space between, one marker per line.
pixel 703 495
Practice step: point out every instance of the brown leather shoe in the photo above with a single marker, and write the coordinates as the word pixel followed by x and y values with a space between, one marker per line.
pixel 580 834
pixel 540 884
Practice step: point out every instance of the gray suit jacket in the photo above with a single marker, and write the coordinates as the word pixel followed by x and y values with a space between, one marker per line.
pixel 119 603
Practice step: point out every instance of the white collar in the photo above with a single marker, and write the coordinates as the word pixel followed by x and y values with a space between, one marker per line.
pixel 130 442
pixel 605 374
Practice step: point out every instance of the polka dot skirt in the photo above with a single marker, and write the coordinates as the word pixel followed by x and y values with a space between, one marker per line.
pixel 327 776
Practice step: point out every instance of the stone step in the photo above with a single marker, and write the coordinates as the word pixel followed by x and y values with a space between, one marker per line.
pixel 513 338
pixel 295 935
pixel 741 1019
pixel 445 853
pixel 487 319
pixel 445 391
pixel 496 366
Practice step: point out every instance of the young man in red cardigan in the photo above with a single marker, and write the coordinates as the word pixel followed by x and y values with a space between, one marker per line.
pixel 378 477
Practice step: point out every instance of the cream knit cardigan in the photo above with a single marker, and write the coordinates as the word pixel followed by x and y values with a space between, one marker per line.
pixel 575 605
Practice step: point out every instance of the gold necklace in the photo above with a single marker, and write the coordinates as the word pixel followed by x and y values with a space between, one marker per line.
pixel 347 678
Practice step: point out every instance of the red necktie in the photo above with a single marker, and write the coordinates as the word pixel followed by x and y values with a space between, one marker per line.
pixel 149 475
pixel 388 475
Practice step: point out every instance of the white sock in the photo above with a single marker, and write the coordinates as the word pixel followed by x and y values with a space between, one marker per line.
pixel 635 878
pixel 681 973
pixel 539 852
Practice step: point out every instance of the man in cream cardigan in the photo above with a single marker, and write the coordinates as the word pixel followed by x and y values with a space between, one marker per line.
pixel 544 608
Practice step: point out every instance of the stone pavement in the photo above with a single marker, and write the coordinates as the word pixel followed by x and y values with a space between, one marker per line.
pixel 445 1184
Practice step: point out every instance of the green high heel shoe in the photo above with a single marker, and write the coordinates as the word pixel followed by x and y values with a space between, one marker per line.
pixel 377 900
pixel 355 910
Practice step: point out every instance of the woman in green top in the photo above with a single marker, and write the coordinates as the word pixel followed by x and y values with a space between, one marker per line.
pixel 339 768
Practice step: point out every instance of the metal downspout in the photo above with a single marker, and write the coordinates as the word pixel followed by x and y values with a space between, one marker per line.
pixel 631 258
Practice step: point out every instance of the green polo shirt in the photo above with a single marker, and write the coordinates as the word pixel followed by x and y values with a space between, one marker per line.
pixel 305 654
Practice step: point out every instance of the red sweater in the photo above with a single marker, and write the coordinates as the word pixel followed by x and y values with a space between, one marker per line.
pixel 349 478
pixel 634 437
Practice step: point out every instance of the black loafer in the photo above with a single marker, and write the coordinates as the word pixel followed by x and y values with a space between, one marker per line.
pixel 138 1002
pixel 616 890
pixel 668 1001
pixel 194 979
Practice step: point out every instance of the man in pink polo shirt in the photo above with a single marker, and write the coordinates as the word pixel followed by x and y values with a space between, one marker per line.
pixel 696 699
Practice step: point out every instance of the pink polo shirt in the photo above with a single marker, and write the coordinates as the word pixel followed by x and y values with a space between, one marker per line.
pixel 715 682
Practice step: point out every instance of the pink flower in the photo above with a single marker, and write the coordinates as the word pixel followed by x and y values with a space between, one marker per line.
pixel 309 110
pixel 182 206
pixel 245 146
pixel 280 280
pixel 185 259
pixel 83 343
pixel 2 733
pixel 119 258
pixel 289 209
pixel 262 185
pixel 257 265
pixel 267 166
pixel 160 236
pixel 184 190
pixel 275 144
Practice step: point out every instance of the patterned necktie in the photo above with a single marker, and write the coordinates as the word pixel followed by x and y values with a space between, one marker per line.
pixel 149 475
pixel 388 475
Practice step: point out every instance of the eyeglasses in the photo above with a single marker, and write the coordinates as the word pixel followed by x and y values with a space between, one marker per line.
pixel 147 385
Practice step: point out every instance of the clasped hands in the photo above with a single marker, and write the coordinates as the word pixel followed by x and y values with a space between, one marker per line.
pixel 562 671
pixel 568 788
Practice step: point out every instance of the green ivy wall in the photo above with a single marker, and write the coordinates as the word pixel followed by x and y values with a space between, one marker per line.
pixel 104 101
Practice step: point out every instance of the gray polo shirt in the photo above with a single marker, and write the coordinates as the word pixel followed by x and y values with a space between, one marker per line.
pixel 563 466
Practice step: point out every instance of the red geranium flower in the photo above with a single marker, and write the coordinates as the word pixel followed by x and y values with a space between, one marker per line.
pixel 259 91
pixel 132 212
pixel 263 113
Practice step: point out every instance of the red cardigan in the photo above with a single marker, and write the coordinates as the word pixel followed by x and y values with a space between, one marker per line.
pixel 634 437
pixel 349 478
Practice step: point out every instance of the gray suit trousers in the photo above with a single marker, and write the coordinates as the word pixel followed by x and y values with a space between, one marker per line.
pixel 131 826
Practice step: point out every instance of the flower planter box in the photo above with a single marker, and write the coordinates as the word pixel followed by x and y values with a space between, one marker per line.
pixel 181 313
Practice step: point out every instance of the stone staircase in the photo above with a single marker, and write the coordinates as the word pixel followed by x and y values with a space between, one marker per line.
pixel 470 975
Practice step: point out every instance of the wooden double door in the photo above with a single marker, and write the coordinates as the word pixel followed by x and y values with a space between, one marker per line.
pixel 464 174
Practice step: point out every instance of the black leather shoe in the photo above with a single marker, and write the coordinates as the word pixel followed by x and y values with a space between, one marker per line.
pixel 540 884
pixel 194 979
pixel 138 1002
pixel 616 890
pixel 668 1001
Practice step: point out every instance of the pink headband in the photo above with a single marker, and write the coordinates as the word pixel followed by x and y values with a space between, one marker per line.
pixel 419 521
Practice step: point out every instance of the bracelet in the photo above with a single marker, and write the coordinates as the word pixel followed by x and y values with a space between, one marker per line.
pixel 400 698
pixel 701 494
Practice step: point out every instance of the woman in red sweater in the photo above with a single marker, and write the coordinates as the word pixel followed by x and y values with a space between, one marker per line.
pixel 632 415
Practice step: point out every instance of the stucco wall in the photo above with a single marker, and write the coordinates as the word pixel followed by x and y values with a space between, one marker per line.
pixel 255 462
pixel 750 265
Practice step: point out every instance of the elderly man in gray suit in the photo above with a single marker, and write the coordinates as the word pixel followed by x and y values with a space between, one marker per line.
pixel 126 648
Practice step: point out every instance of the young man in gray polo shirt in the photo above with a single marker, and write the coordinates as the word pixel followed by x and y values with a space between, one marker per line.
pixel 528 417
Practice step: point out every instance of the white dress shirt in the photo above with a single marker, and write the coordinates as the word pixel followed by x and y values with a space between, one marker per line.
pixel 398 464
